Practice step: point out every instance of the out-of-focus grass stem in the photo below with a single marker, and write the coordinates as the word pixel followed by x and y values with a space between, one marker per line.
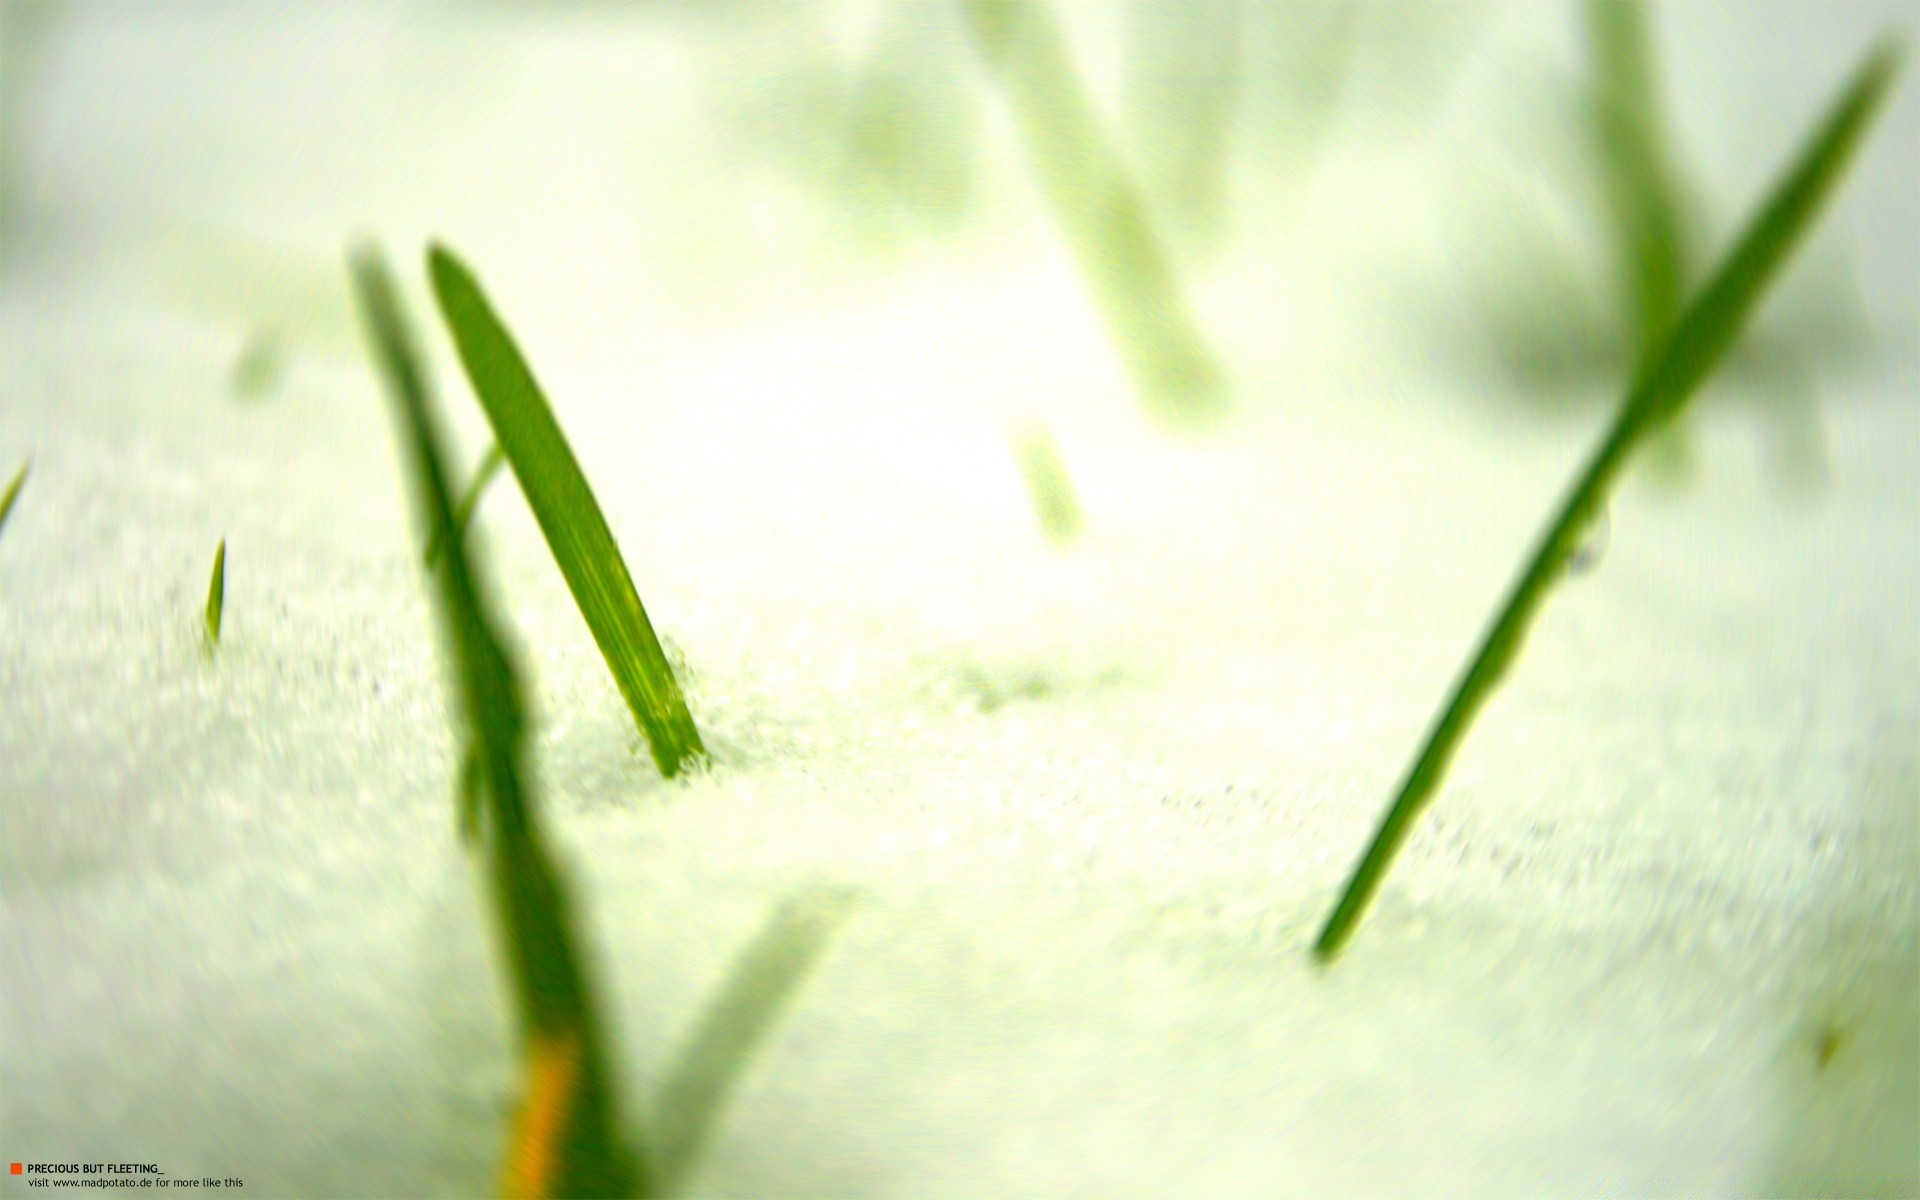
pixel 1100 211
pixel 563 1142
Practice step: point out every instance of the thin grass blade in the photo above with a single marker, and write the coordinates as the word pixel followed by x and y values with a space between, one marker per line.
pixel 564 1142
pixel 13 491
pixel 1054 502
pixel 765 982
pixel 568 515
pixel 1666 380
pixel 217 593
pixel 1100 211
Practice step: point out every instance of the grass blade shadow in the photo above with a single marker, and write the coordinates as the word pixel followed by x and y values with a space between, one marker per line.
pixel 765 983
pixel 564 1143
pixel 1662 385
pixel 568 515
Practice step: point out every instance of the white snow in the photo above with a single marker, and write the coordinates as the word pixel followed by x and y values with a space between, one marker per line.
pixel 1093 803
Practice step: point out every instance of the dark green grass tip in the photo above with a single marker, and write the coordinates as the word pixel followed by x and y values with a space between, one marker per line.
pixel 1661 387
pixel 13 492
pixel 217 593
pixel 569 516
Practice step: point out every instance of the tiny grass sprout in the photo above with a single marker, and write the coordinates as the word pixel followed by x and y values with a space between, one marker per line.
pixel 490 464
pixel 563 1142
pixel 217 593
pixel 764 983
pixel 1100 210
pixel 1048 486
pixel 568 515
pixel 1661 386
pixel 13 492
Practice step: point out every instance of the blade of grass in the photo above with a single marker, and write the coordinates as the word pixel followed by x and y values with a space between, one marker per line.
pixel 490 464
pixel 1663 384
pixel 13 491
pixel 564 1143
pixel 1636 166
pixel 1184 78
pixel 765 982
pixel 569 516
pixel 1641 192
pixel 1048 486
pixel 1099 209
pixel 217 593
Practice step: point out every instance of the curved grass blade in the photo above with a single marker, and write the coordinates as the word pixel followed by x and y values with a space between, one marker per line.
pixel 1662 386
pixel 13 491
pixel 765 982
pixel 563 1143
pixel 1100 211
pixel 490 464
pixel 569 516
pixel 217 594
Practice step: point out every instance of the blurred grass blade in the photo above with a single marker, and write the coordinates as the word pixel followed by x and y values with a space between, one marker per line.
pixel 568 515
pixel 13 491
pixel 217 593
pixel 260 366
pixel 1182 97
pixel 1641 192
pixel 1663 384
pixel 1047 484
pixel 764 984
pixel 563 1143
pixel 490 464
pixel 1635 166
pixel 1099 210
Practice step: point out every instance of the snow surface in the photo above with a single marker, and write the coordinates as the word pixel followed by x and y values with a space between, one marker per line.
pixel 1660 933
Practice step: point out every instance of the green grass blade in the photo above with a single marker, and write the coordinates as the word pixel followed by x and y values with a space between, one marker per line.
pixel 1054 503
pixel 764 984
pixel 1666 380
pixel 565 1145
pixel 569 516
pixel 1635 166
pixel 217 593
pixel 1183 85
pixel 13 491
pixel 490 464
pixel 1100 211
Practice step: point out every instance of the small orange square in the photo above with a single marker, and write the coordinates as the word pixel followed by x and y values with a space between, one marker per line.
pixel 14 1169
